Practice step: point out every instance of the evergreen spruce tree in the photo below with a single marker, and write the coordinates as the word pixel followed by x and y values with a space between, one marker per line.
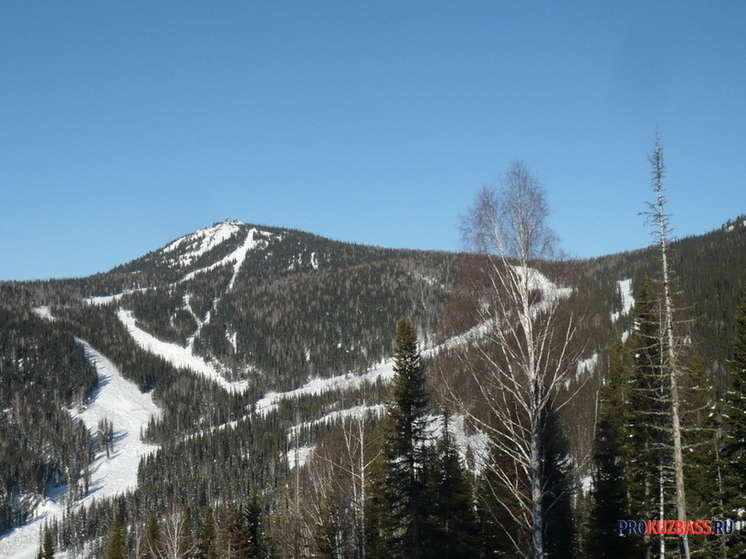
pixel 610 493
pixel 452 527
pixel 255 544
pixel 207 545
pixel 152 543
pixel 377 510
pixel 647 411
pixel 500 533
pixel 47 546
pixel 115 550
pixel 734 435
pixel 702 468
pixel 403 452
pixel 326 540
pixel 559 518
pixel 233 533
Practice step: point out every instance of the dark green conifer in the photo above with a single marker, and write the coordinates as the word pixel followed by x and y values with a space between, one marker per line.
pixel 647 410
pixel 47 546
pixel 233 533
pixel 610 497
pixel 254 536
pixel 115 550
pixel 452 527
pixel 152 540
pixel 207 546
pixel 734 431
pixel 403 452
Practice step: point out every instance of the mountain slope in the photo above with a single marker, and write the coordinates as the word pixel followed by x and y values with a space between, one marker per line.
pixel 259 342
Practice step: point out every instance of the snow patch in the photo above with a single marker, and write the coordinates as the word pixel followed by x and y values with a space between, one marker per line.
pixel 299 456
pixel 551 293
pixel 204 240
pixel 236 258
pixel 624 287
pixel 121 402
pixel 106 299
pixel 316 386
pixel 472 448
pixel 43 312
pixel 129 410
pixel 356 412
pixel 587 366
pixel 176 355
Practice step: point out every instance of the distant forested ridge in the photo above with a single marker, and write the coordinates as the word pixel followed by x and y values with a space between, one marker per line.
pixel 283 458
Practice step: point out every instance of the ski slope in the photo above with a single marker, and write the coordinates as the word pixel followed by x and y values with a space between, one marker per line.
pixel 175 354
pixel 121 402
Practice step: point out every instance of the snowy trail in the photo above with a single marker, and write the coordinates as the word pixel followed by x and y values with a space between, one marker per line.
pixel 120 401
pixel 350 381
pixel 176 355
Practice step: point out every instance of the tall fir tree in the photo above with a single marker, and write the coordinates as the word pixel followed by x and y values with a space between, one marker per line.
pixel 207 546
pixel 256 547
pixel 233 532
pixel 400 518
pixel 647 419
pixel 115 549
pixel 47 546
pixel 610 492
pixel 451 529
pixel 560 531
pixel 734 435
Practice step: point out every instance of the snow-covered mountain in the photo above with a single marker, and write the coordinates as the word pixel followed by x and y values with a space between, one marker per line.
pixel 226 357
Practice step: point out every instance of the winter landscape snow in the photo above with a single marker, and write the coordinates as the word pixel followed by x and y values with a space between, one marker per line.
pixel 129 410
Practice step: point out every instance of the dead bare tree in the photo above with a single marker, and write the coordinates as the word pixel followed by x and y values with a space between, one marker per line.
pixel 524 344
pixel 670 364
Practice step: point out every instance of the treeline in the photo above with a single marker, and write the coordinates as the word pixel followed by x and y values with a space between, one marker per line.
pixel 326 322
pixel 43 372
pixel 188 401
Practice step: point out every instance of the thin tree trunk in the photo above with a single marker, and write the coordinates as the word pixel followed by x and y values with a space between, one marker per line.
pixel 660 216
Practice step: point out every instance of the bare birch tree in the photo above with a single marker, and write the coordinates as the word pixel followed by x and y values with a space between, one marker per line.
pixel 176 538
pixel 524 344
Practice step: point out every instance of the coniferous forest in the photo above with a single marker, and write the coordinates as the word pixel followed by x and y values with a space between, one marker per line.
pixel 323 399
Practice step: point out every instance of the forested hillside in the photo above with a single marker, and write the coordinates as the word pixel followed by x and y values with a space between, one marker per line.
pixel 269 352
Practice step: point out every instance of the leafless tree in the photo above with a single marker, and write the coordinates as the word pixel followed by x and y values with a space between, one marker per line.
pixel 176 539
pixel 670 365
pixel 524 344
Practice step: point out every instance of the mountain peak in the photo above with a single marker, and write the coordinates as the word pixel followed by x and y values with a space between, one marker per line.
pixel 201 241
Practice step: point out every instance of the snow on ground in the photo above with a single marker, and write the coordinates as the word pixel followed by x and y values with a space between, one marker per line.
pixel 473 334
pixel 106 299
pixel 300 456
pixel 350 381
pixel 175 354
pixel 583 370
pixel 118 400
pixel 471 447
pixel 355 412
pixel 550 291
pixel 204 240
pixel 121 402
pixel 586 366
pixel 43 312
pixel 628 301
pixel 236 258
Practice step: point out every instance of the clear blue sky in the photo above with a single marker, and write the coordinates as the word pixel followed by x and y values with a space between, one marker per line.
pixel 124 125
